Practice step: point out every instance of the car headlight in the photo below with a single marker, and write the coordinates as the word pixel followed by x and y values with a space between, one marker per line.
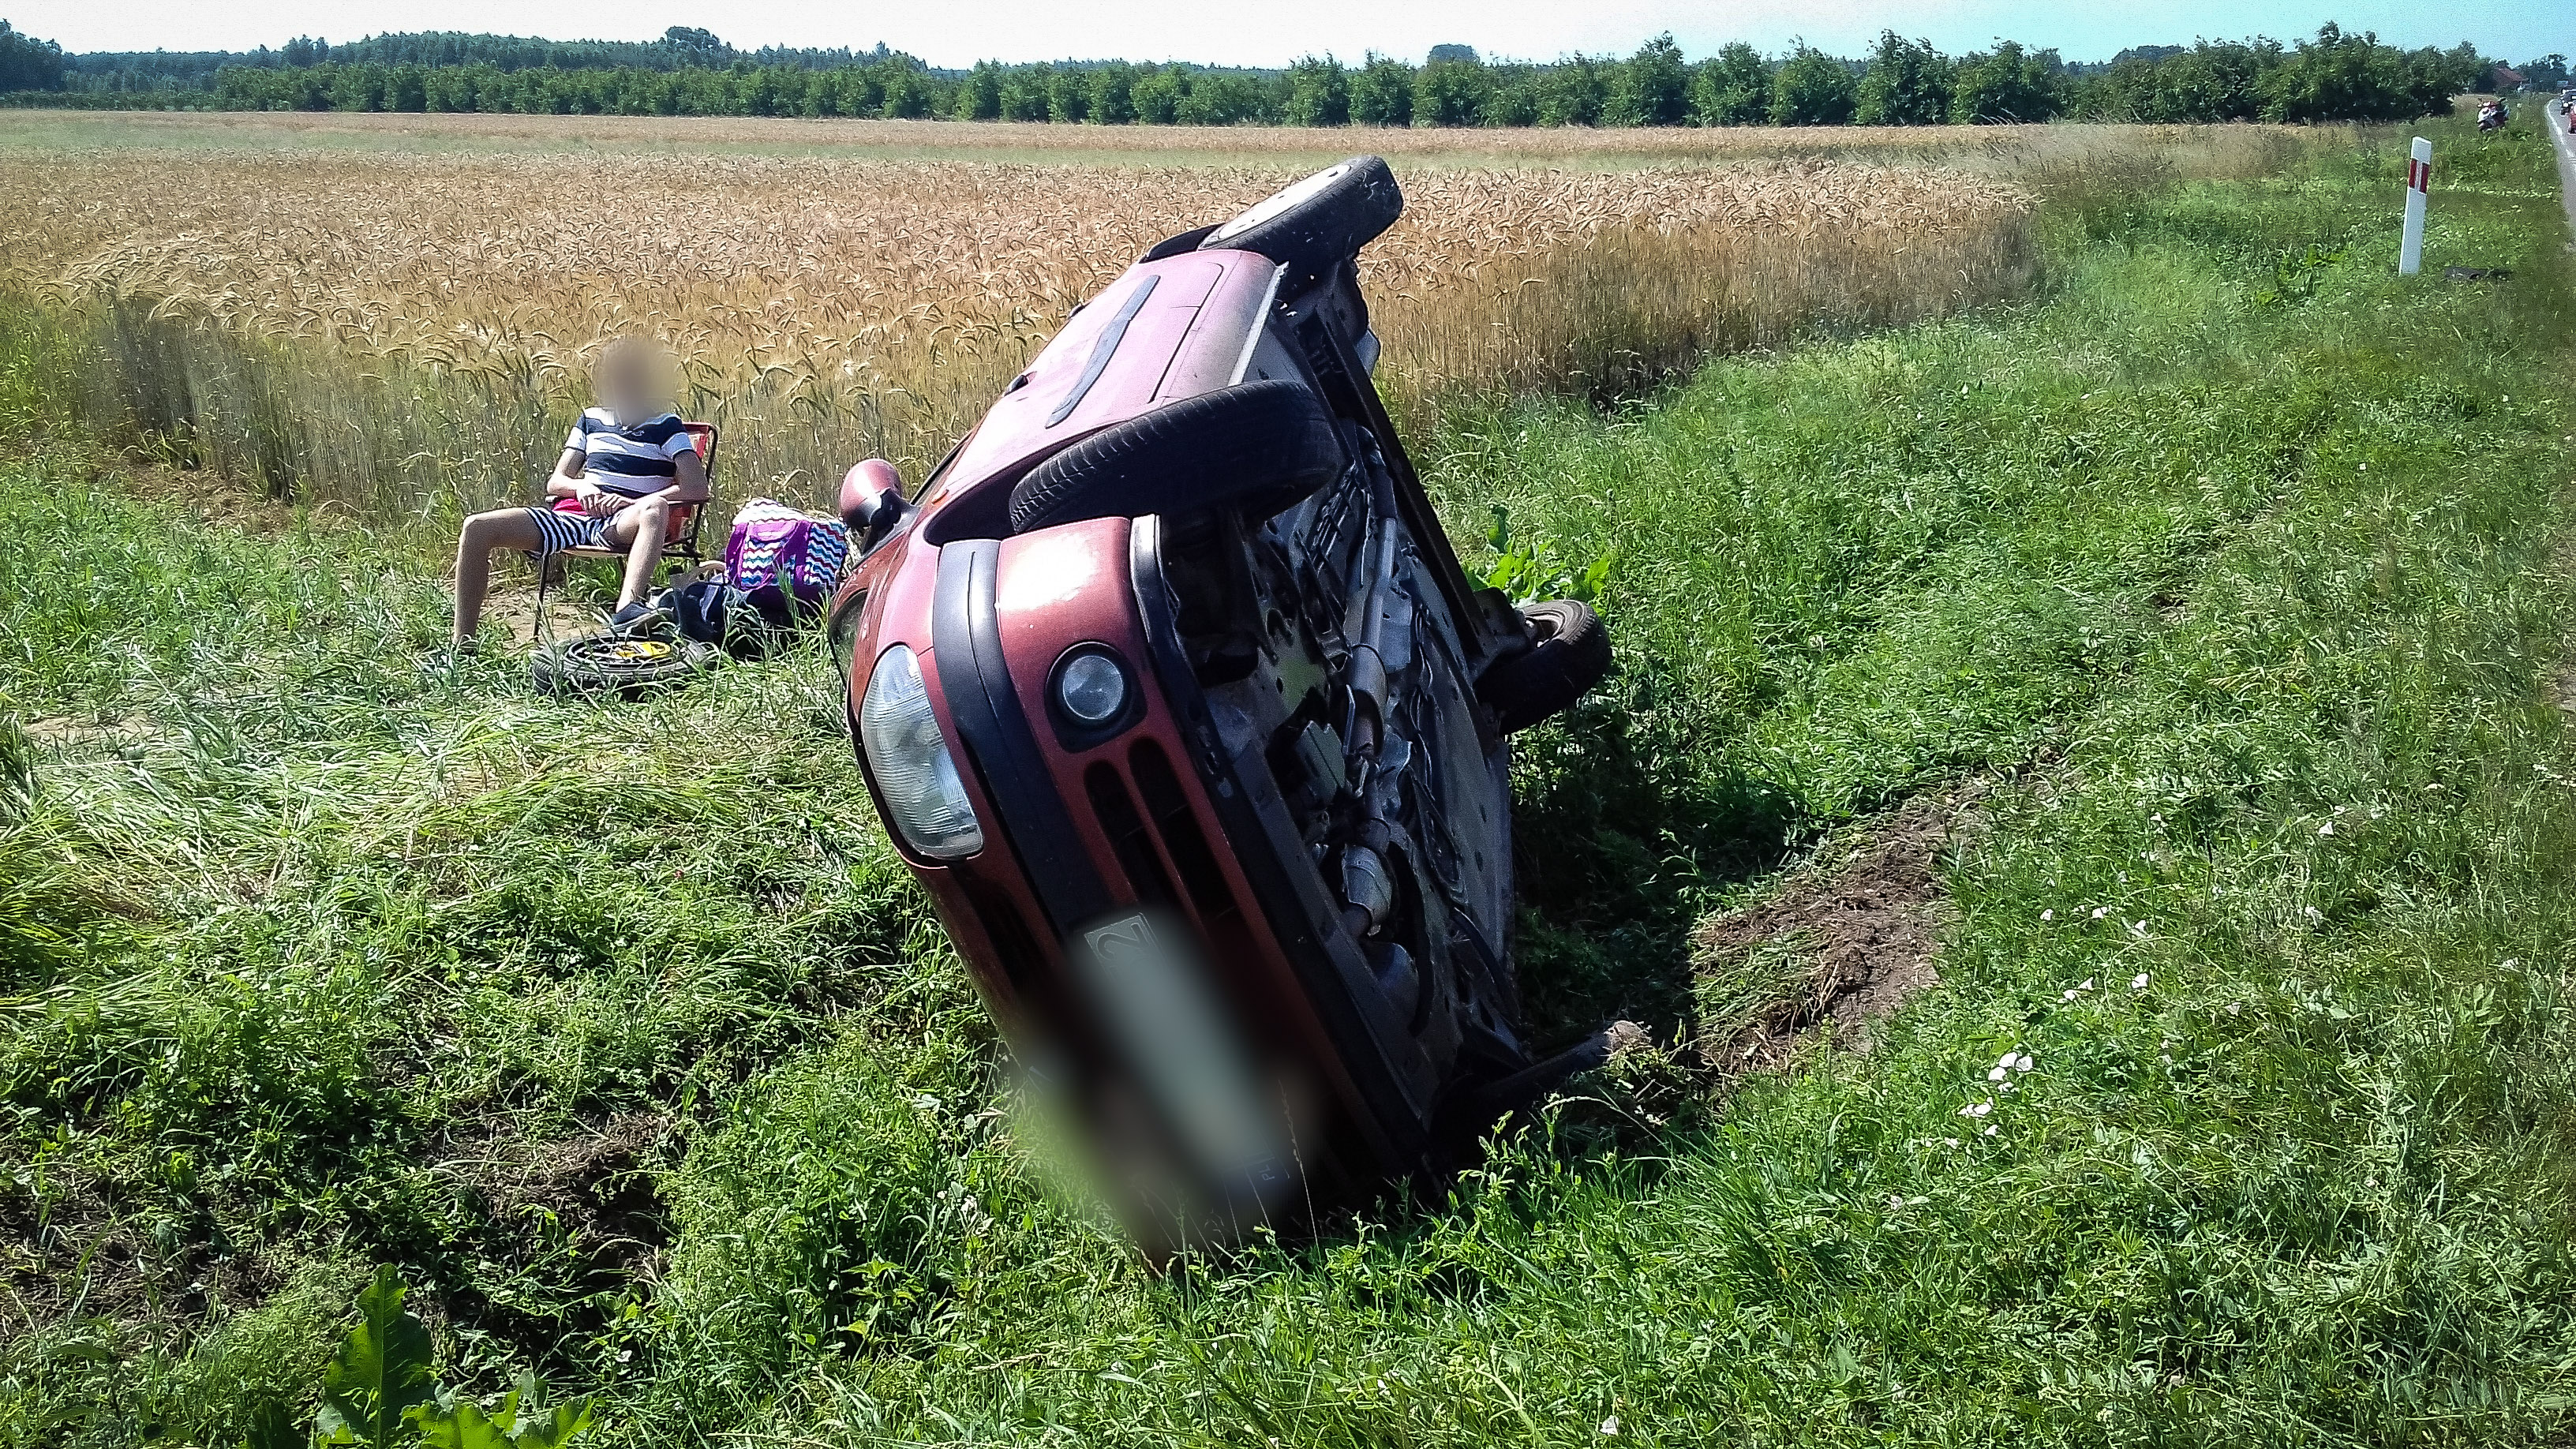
pixel 914 771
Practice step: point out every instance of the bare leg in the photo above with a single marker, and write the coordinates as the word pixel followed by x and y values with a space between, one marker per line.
pixel 644 524
pixel 482 533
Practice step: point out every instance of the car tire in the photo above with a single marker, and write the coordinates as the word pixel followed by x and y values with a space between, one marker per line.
pixel 1259 447
pixel 1569 654
pixel 1314 225
pixel 617 664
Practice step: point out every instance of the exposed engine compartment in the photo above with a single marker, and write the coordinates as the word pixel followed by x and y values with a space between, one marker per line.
pixel 1355 689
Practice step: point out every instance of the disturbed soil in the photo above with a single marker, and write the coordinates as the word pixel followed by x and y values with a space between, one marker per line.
pixel 1869 918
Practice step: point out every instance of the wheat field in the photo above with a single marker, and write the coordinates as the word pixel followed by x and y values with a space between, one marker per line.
pixel 406 330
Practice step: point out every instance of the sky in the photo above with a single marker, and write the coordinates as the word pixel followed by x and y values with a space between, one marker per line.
pixel 1229 32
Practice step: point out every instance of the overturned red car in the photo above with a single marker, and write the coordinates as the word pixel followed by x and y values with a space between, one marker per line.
pixel 1172 691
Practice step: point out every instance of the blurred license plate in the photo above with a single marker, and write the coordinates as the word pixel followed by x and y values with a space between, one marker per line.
pixel 1155 999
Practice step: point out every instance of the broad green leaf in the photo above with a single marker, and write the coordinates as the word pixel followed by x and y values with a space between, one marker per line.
pixel 464 1426
pixel 566 1423
pixel 521 1422
pixel 383 1370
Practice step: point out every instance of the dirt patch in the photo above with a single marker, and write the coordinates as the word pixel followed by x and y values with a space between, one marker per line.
pixel 595 1184
pixel 85 1255
pixel 515 611
pixel 1868 919
pixel 65 730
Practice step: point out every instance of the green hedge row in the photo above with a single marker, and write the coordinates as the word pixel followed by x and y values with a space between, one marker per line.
pixel 2333 76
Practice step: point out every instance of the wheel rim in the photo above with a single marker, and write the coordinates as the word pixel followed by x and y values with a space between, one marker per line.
pixel 619 653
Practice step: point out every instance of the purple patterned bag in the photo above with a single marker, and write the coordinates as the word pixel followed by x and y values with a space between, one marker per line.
pixel 786 563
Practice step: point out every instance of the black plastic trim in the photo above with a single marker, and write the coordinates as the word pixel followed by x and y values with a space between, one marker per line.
pixel 1105 348
pixel 993 730
pixel 1174 245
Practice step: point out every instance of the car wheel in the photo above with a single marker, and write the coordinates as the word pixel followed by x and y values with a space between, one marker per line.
pixel 1315 224
pixel 1569 655
pixel 618 664
pixel 1259 447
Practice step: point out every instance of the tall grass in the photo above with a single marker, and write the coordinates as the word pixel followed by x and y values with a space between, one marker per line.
pixel 621 1031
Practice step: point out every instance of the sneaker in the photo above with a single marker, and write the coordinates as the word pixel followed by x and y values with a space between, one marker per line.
pixel 637 618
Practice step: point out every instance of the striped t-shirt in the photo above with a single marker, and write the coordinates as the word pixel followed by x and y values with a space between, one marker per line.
pixel 629 458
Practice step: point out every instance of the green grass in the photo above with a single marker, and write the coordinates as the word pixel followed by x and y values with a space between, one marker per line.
pixel 313 956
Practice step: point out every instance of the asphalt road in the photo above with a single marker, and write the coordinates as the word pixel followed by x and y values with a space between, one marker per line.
pixel 2557 127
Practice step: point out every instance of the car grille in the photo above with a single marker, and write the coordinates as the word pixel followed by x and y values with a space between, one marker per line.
pixel 1166 829
pixel 1008 929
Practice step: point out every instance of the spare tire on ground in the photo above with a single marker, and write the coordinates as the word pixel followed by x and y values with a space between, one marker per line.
pixel 1570 654
pixel 619 664
pixel 1260 447
pixel 1314 225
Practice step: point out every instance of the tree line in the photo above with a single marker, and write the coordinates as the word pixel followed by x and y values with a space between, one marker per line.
pixel 2332 76
pixel 681 47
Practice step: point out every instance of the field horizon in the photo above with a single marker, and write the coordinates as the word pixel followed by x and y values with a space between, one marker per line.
pixel 1572 146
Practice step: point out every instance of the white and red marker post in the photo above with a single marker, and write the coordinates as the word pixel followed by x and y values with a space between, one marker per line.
pixel 2419 185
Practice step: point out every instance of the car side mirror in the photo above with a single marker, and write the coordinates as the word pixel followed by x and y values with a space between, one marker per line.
pixel 872 503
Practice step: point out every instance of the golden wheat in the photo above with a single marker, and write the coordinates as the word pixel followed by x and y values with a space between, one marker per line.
pixel 396 328
pixel 2230 150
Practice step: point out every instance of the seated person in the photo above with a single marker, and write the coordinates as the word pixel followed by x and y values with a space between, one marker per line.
pixel 627 463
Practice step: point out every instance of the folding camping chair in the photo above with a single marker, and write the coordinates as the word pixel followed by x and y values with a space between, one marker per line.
pixel 679 537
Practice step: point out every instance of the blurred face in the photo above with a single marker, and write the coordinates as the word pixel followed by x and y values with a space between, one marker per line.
pixel 628 379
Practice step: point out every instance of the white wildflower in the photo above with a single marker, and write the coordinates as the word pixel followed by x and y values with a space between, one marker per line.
pixel 2100 911
pixel 2138 982
pixel 2326 829
pixel 1610 1426
pixel 2026 1063
pixel 1989 1132
pixel 1996 1074
pixel 2087 986
pixel 2048 915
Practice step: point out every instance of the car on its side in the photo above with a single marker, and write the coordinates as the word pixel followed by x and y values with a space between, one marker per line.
pixel 1176 698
